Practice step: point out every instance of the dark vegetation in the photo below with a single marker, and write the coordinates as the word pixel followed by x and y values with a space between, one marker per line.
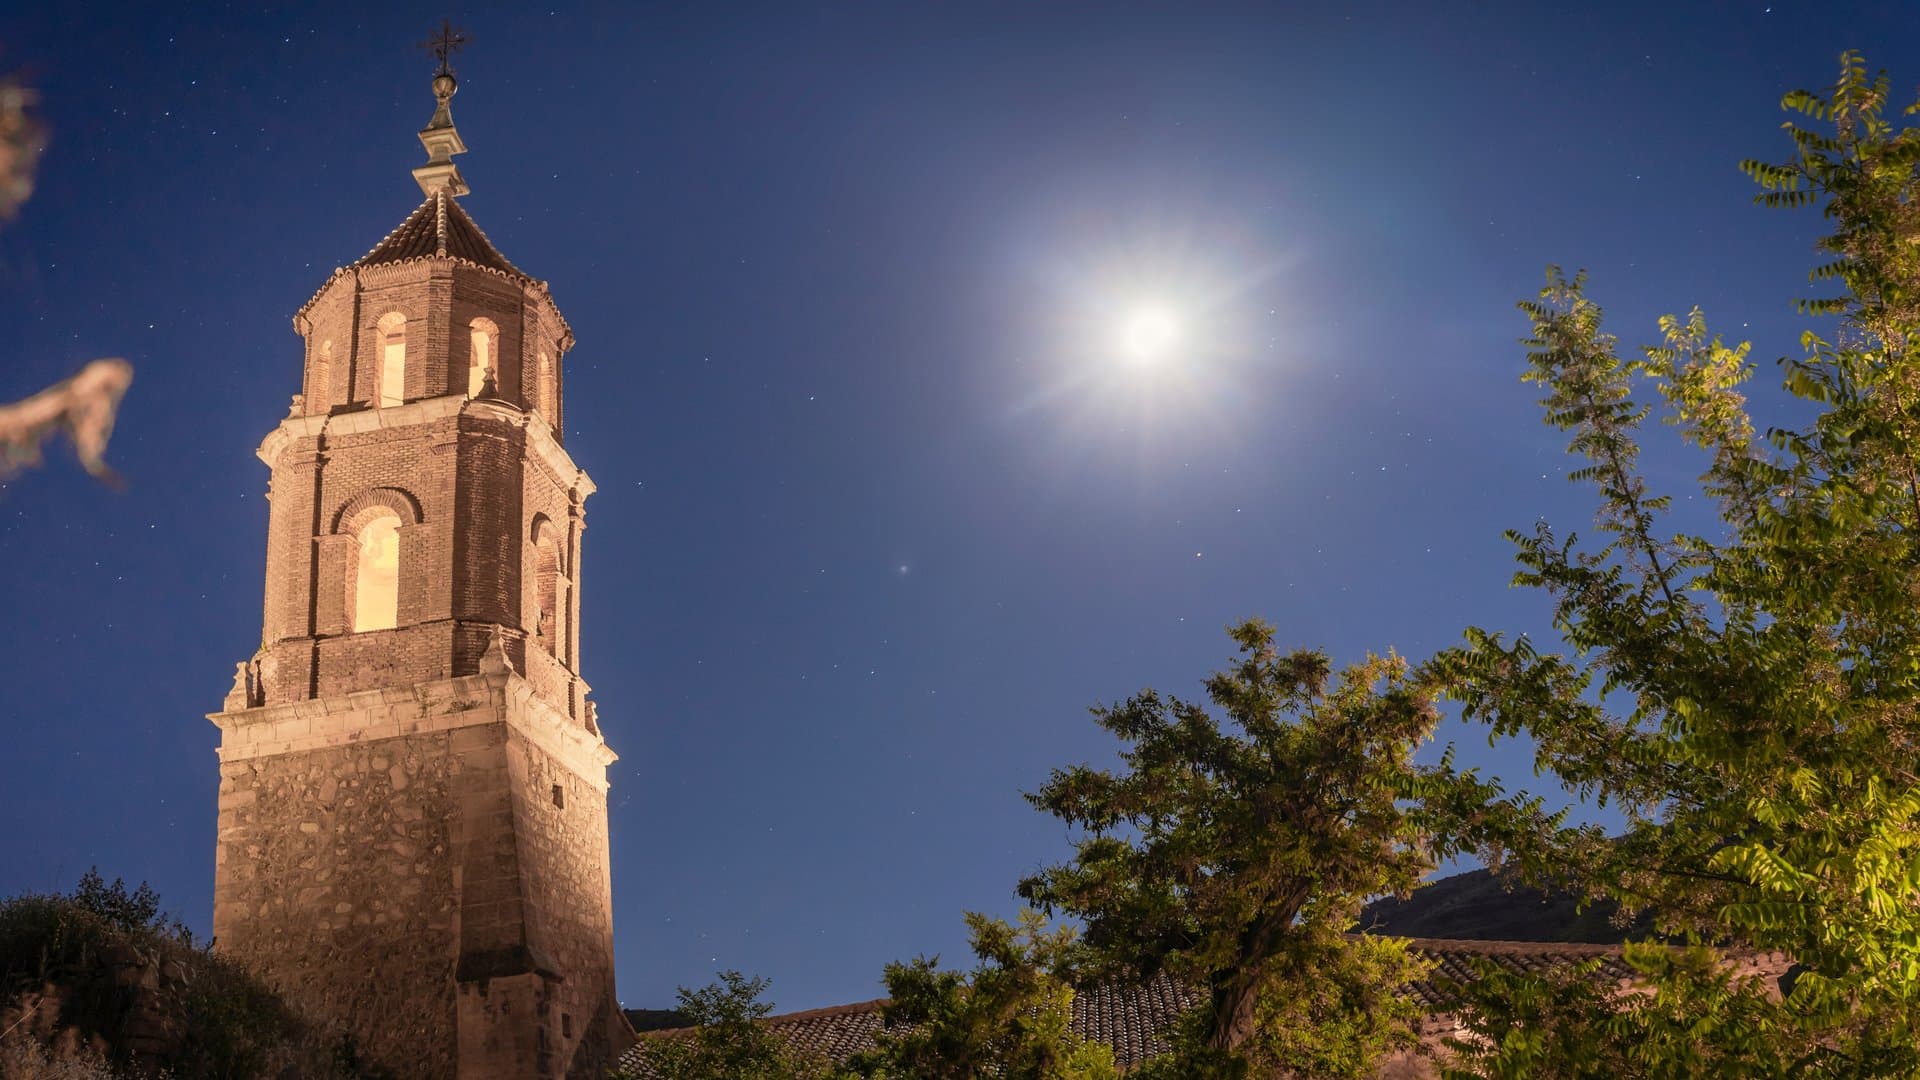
pixel 658 1019
pixel 724 1037
pixel 101 973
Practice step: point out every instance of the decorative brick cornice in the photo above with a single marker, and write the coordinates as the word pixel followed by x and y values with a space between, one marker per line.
pixel 535 292
pixel 301 323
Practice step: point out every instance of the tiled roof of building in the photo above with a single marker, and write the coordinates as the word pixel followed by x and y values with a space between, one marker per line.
pixel 1134 1020
pixel 836 1032
pixel 439 228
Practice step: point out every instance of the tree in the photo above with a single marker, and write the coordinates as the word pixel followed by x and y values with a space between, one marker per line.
pixel 81 407
pixel 22 139
pixel 1234 855
pixel 1747 699
pixel 135 911
pixel 84 405
pixel 727 1039
pixel 1008 1018
pixel 66 1003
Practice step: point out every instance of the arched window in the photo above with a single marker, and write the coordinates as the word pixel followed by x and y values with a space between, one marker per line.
pixel 483 356
pixel 546 584
pixel 320 386
pixel 393 359
pixel 376 580
pixel 543 391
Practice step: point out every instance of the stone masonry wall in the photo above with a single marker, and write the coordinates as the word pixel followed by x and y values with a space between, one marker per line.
pixel 561 829
pixel 335 864
pixel 383 853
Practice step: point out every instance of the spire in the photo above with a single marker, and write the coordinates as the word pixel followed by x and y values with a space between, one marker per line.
pixel 440 137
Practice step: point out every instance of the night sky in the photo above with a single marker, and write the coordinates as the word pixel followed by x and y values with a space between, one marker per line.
pixel 883 506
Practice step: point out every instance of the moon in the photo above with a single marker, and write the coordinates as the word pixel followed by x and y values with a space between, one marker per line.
pixel 1149 334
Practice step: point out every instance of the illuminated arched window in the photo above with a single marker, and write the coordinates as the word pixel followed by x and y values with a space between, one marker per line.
pixel 376 579
pixel 393 359
pixel 546 584
pixel 543 388
pixel 483 356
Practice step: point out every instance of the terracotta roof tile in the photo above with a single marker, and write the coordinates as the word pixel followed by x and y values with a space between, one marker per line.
pixel 439 228
pixel 1134 1020
pixel 835 1032
pixel 1454 961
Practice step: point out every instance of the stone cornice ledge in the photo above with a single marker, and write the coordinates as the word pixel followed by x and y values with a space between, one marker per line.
pixel 583 751
pixel 356 422
pixel 367 716
pixel 546 449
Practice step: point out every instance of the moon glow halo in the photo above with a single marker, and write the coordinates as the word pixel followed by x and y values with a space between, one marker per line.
pixel 1149 334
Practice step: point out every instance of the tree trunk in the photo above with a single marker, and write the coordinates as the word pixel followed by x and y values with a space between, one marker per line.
pixel 1233 1022
pixel 1236 992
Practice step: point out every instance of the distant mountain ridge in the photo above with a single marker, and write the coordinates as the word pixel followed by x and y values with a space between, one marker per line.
pixel 1478 905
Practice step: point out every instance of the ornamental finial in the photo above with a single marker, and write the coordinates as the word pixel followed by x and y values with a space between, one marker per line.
pixel 444 44
pixel 440 138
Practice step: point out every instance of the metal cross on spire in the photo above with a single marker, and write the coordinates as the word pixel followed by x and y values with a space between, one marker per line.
pixel 440 174
pixel 443 45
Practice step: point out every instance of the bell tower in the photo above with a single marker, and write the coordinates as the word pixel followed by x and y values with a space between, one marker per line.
pixel 412 841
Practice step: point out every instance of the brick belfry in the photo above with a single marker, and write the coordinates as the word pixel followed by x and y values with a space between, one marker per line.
pixel 413 786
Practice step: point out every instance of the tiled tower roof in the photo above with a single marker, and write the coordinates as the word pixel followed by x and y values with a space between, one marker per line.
pixel 439 228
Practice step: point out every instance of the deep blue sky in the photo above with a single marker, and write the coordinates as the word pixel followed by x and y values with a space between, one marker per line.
pixel 879 513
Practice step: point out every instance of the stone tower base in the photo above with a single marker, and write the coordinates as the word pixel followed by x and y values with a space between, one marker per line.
pixel 418 866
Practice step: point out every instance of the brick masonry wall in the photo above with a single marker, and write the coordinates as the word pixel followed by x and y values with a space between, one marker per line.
pixel 488 519
pixel 552 665
pixel 373 659
pixel 465 464
pixel 314 479
pixel 440 299
pixel 467 467
pixel 331 351
pixel 478 294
